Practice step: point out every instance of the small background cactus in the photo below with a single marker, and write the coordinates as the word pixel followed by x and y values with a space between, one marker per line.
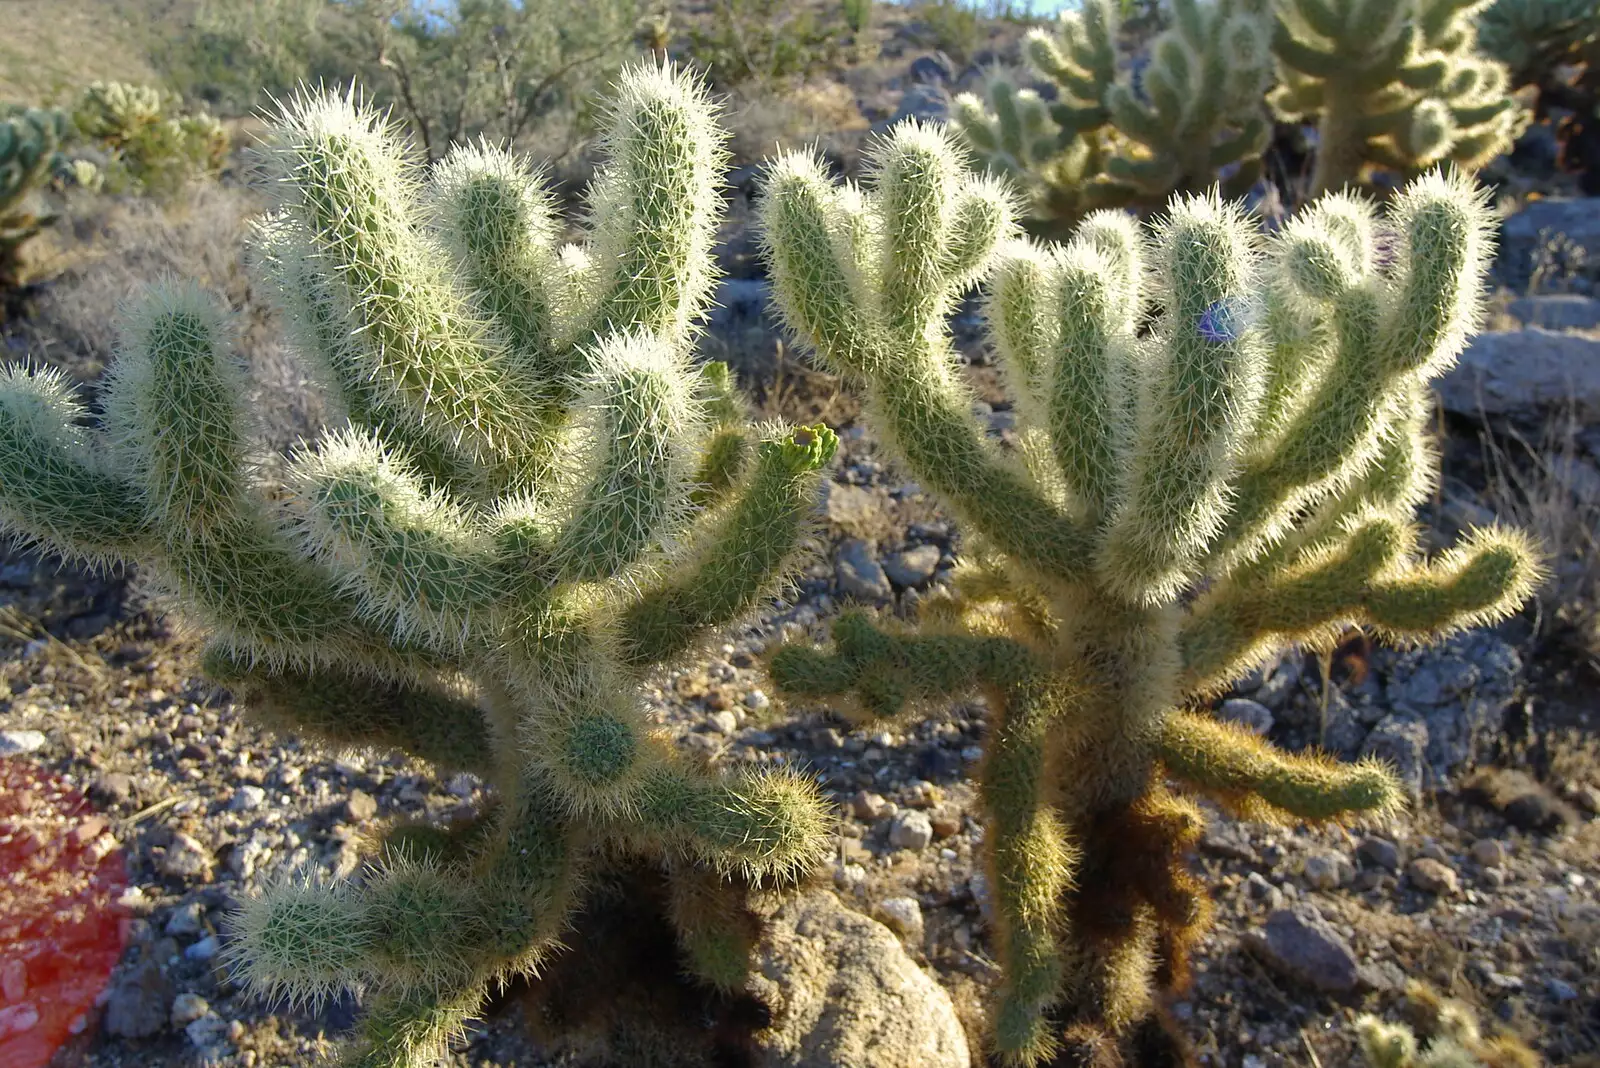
pixel 1221 448
pixel 29 141
pixel 1451 1033
pixel 1113 138
pixel 149 147
pixel 535 500
pixel 1401 86
pixel 1554 46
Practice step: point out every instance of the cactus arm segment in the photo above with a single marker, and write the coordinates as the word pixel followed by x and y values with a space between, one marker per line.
pixel 53 487
pixel 655 204
pixel 350 183
pixel 426 720
pixel 1482 579
pixel 886 670
pixel 649 421
pixel 801 219
pixel 1230 764
pixel 739 558
pixel 1031 860
pixel 764 826
pixel 322 332
pixel 412 557
pixel 1198 403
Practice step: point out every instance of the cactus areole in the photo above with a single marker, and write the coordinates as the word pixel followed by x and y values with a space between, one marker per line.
pixel 1221 447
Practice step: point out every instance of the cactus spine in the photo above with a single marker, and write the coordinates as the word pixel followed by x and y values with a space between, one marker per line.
pixel 534 501
pixel 1192 492
pixel 1110 139
pixel 29 139
pixel 1400 85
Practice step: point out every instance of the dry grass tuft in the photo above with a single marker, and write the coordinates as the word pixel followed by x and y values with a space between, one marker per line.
pixel 109 250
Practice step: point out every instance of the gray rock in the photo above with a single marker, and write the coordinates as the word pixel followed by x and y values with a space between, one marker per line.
pixel 1279 683
pixel 912 567
pixel 1557 311
pixel 1403 742
pixel 1247 713
pixel 1489 852
pixel 923 102
pixel 137 1005
pixel 1380 851
pixel 1344 724
pixel 757 701
pixel 1328 871
pixel 935 69
pixel 849 507
pixel 209 1030
pixel 1516 370
pixel 247 798
pixel 1461 689
pixel 903 916
pixel 15 743
pixel 1300 945
pixel 186 858
pixel 723 722
pixel 911 830
pixel 187 919
pixel 843 992
pixel 205 949
pixel 360 806
pixel 858 572
pixel 1560 989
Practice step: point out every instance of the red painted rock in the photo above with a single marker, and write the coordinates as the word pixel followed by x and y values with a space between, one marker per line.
pixel 61 930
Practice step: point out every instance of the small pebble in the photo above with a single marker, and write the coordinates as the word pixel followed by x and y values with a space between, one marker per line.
pixel 247 798
pixel 1380 852
pixel 911 830
pixel 903 916
pixel 756 701
pixel 205 949
pixel 1560 989
pixel 361 807
pixel 14 980
pixel 1431 876
pixel 723 722
pixel 1489 852
pixel 187 1008
pixel 186 858
pixel 867 805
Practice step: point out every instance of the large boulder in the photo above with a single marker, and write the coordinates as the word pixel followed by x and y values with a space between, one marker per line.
pixel 843 992
pixel 1510 371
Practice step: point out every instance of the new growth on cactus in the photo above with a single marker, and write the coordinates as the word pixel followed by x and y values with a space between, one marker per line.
pixel 534 501
pixel 1222 445
pixel 1398 85
pixel 1113 139
pixel 29 139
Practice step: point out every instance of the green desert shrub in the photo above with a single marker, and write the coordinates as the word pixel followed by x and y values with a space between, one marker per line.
pixel 533 501
pixel 1222 445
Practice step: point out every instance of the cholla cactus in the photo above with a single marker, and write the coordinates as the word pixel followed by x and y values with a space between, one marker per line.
pixel 1223 446
pixel 534 502
pixel 157 150
pixel 1195 112
pixel 1401 85
pixel 1533 37
pixel 29 140
pixel 1456 1041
